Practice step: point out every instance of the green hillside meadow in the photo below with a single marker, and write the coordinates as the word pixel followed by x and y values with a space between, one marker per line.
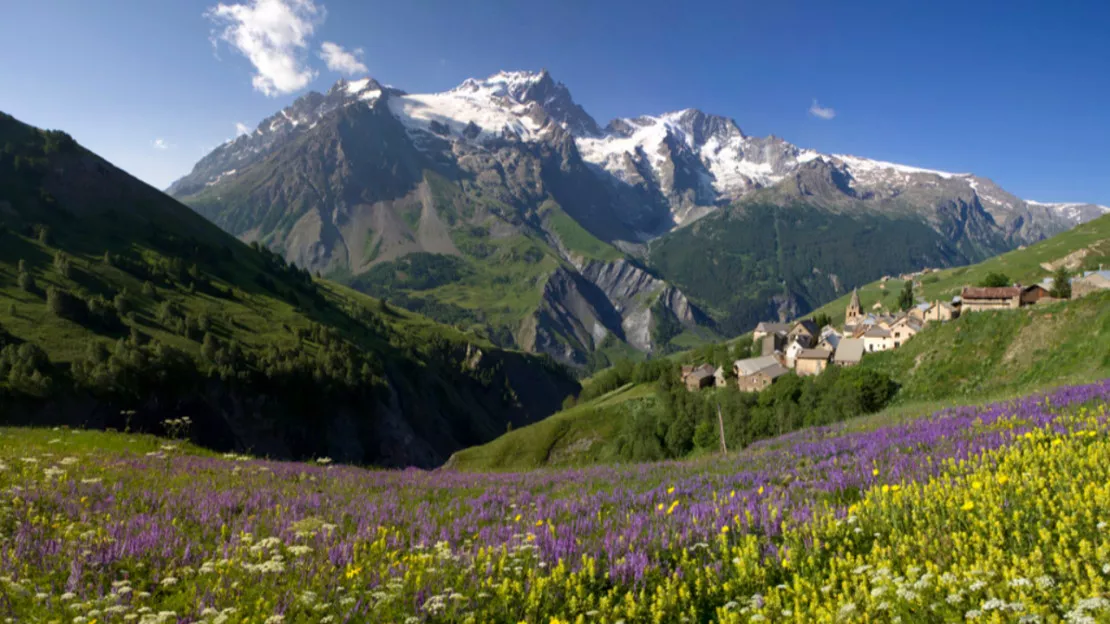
pixel 975 358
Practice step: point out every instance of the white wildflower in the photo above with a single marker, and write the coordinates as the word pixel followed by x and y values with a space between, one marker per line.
pixel 993 604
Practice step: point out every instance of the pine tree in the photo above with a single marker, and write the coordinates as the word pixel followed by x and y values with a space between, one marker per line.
pixel 905 300
pixel 1061 283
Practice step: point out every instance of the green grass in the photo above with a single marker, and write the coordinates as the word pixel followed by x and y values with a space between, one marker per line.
pixel 575 237
pixel 580 435
pixel 63 440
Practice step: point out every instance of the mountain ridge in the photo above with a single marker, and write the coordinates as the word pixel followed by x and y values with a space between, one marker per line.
pixel 490 170
pixel 124 309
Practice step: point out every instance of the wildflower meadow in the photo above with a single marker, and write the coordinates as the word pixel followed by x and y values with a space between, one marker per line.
pixel 987 514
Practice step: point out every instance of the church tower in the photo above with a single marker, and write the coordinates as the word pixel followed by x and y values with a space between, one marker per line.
pixel 854 311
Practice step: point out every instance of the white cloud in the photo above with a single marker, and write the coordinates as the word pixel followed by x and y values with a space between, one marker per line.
pixel 160 144
pixel 342 61
pixel 241 128
pixel 273 35
pixel 821 112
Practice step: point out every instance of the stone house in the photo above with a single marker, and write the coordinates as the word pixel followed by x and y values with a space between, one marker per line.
pixel 791 354
pixel 755 374
pixel 935 311
pixel 905 328
pixel 978 299
pixel 1089 282
pixel 877 339
pixel 1034 294
pixel 849 352
pixel 719 378
pixel 700 377
pixel 812 362
pixel 830 337
pixel 769 329
pixel 772 343
pixel 804 332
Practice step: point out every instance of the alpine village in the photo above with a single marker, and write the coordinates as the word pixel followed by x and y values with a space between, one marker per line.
pixel 346 312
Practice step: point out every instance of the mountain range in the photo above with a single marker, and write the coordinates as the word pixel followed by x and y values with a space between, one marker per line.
pixel 504 207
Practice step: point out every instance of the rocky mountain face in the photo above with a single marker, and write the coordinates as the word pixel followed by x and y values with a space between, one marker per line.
pixel 563 233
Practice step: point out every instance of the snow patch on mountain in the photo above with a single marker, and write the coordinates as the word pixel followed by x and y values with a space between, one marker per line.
pixel 457 109
pixel 1073 211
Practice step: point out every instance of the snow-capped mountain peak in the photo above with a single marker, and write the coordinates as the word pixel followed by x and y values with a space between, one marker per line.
pixel 688 160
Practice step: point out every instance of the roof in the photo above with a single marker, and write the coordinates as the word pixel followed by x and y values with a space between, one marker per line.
pixel 774 371
pixel 877 332
pixel 752 366
pixel 1003 292
pixel 849 350
pixel 808 325
pixel 700 374
pixel 772 328
pixel 924 306
pixel 814 354
pixel 1095 276
pixel 855 299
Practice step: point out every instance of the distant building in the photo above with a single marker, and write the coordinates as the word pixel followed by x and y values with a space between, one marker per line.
pixel 790 356
pixel 699 377
pixel 769 329
pixel 849 352
pixel 877 339
pixel 1089 282
pixel 920 310
pixel 854 311
pixel 830 337
pixel 978 299
pixel 755 374
pixel 905 328
pixel 772 343
pixel 812 362
pixel 936 311
pixel 719 377
pixel 804 332
pixel 1034 294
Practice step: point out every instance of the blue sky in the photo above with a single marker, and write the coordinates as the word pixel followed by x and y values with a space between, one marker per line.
pixel 1015 91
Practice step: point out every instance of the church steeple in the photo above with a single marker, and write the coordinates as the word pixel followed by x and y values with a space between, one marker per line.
pixel 854 311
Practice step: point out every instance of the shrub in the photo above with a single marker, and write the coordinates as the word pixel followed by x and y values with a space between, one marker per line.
pixel 995 280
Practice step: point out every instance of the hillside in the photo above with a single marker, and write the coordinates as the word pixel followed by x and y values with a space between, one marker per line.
pixel 1084 247
pixel 120 307
pixel 502 206
pixel 976 357
pixel 993 513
